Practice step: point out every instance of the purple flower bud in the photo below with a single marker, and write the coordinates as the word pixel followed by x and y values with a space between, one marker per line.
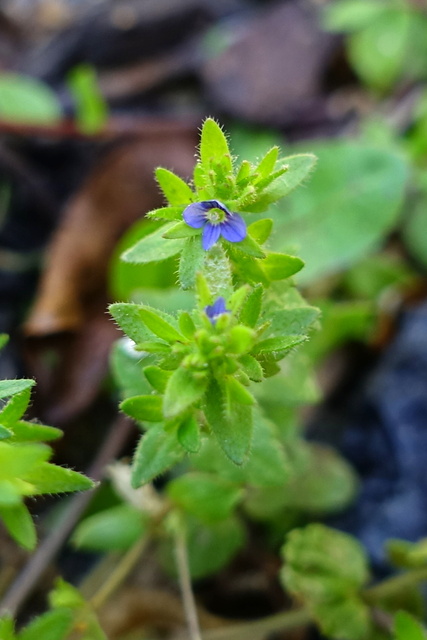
pixel 216 221
pixel 213 311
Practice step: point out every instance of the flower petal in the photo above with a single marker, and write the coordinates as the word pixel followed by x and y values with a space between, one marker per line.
pixel 234 228
pixel 210 235
pixel 216 309
pixel 195 215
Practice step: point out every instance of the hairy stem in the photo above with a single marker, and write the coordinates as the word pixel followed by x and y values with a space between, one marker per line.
pixel 188 601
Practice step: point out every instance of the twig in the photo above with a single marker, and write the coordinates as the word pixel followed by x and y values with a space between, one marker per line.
pixel 190 610
pixel 258 629
pixel 47 550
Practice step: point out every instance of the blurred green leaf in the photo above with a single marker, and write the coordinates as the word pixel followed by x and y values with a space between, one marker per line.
pixel 114 529
pixel 182 390
pixel 407 628
pixel 25 100
pixel 349 206
pixel 91 108
pixel 206 496
pixel 156 452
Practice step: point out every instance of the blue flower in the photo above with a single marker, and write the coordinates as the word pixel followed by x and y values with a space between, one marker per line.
pixel 216 221
pixel 213 311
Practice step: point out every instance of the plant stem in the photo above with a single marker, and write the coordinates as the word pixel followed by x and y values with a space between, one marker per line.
pixel 188 601
pixel 118 575
pixel 258 629
pixel 395 584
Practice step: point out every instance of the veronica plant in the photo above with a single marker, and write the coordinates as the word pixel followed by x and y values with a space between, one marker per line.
pixel 202 364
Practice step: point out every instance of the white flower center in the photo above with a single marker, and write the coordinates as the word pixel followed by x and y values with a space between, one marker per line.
pixel 215 216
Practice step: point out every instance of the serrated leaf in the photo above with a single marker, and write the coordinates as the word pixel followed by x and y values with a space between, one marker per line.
pixel 183 390
pixel 192 259
pixel 279 266
pixel 157 377
pixel 205 496
pixel 280 343
pixel 251 367
pixel 50 478
pixel 157 451
pixel 128 317
pixel 144 408
pixel 176 191
pixel 232 426
pixel 261 230
pixel 407 628
pixel 12 387
pixel 154 248
pixel 252 307
pixel 114 529
pixel 53 625
pixel 214 147
pixel 19 523
pixel 189 435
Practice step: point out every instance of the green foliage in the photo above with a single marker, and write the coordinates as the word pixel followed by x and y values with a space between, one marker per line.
pixel 351 203
pixel 24 467
pixel 406 628
pixel 326 570
pixel 91 108
pixel 114 529
pixel 386 42
pixel 25 100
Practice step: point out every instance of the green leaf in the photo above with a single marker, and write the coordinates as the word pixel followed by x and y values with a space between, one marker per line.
pixel 183 389
pixel 236 392
pixel 261 230
pixel 292 321
pixel 18 522
pixel 165 213
pixel 5 433
pixel 205 496
pixel 176 191
pixel 154 248
pixel 268 162
pixel 186 325
pixel 7 628
pixel 157 377
pixel 352 15
pixel 279 266
pixel 299 168
pixel 157 451
pixel 114 529
pixel 18 459
pixel 91 108
pixel 128 317
pixel 249 247
pixel 26 100
pixel 189 435
pixel 349 619
pixel 192 259
pixel 232 426
pixel 252 307
pixel 214 147
pixel 15 408
pixel 24 431
pixel 12 387
pixel 181 230
pixel 143 408
pixel 349 206
pixel 159 325
pixel 407 628
pixel 50 478
pixel 279 344
pixel 377 52
pixel 251 367
pixel 53 625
